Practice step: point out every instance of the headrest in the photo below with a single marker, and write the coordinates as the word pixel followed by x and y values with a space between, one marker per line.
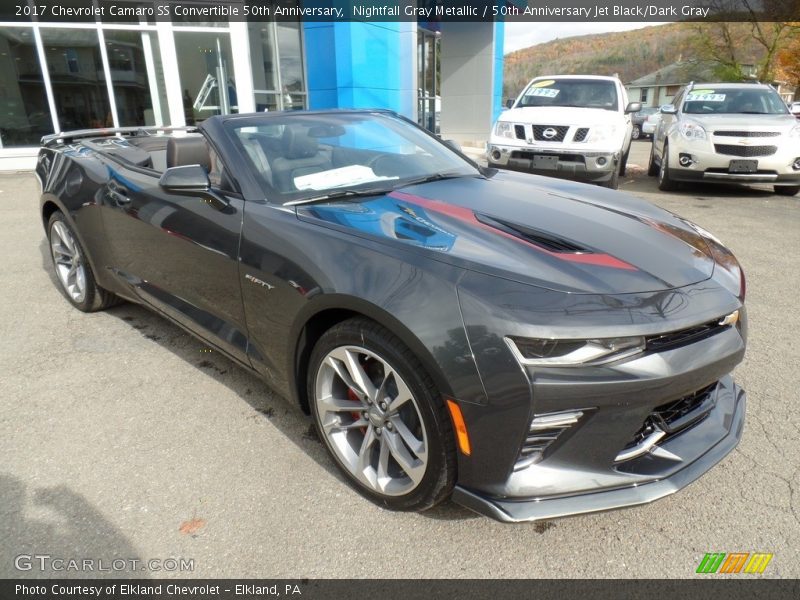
pixel 189 150
pixel 297 144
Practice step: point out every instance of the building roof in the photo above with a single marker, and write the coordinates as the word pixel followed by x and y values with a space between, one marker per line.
pixel 678 73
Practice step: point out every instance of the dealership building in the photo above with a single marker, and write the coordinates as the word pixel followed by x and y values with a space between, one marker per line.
pixel 60 76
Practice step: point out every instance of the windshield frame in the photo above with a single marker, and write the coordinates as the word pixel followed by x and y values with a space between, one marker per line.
pixel 770 92
pixel 458 160
pixel 540 81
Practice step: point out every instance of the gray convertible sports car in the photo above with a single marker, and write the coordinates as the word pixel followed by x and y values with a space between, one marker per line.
pixel 530 347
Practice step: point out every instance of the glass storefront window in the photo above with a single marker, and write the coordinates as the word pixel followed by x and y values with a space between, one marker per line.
pixel 24 112
pixel 134 61
pixel 290 52
pixel 206 74
pixel 77 78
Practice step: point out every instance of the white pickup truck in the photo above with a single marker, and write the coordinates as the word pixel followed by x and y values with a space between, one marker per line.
pixel 568 126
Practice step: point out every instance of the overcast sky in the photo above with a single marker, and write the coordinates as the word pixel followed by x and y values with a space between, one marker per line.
pixel 522 35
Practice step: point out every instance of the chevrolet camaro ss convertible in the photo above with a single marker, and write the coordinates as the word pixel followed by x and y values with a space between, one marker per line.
pixel 529 347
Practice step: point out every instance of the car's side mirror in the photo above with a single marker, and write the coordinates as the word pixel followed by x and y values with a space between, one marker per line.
pixel 509 103
pixel 453 144
pixel 668 109
pixel 191 178
pixel 633 107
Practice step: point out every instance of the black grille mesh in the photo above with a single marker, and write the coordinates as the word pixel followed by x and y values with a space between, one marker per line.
pixel 519 131
pixel 747 133
pixel 561 132
pixel 581 134
pixel 746 151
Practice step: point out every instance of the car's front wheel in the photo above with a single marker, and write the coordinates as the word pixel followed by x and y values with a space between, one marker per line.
pixel 786 190
pixel 665 181
pixel 652 167
pixel 380 416
pixel 72 268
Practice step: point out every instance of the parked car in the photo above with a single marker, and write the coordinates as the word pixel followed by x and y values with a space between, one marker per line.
pixel 531 347
pixel 651 123
pixel 568 126
pixel 638 120
pixel 719 132
pixel 794 108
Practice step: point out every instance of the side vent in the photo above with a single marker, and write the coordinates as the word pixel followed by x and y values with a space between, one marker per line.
pixel 544 430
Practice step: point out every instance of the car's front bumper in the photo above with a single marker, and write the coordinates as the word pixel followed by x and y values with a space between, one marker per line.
pixel 730 410
pixel 709 165
pixel 568 162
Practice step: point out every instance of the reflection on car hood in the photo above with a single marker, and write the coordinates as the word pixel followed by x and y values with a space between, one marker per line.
pixel 743 122
pixel 557 234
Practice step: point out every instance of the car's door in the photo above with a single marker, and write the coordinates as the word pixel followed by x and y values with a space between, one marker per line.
pixel 179 251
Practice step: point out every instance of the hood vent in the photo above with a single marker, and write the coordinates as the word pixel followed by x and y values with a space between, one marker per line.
pixel 548 241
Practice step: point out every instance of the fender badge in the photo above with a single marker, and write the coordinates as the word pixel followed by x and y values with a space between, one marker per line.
pixel 258 281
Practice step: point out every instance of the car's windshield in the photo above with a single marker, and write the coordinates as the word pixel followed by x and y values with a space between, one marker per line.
pixel 721 100
pixel 311 155
pixel 587 93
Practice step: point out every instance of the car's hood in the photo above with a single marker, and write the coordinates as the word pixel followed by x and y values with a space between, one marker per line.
pixel 551 233
pixel 741 122
pixel 557 115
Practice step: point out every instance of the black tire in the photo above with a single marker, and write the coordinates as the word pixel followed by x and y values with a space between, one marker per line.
pixel 612 183
pixel 786 190
pixel 94 298
pixel 665 181
pixel 623 164
pixel 431 415
pixel 636 132
pixel 652 167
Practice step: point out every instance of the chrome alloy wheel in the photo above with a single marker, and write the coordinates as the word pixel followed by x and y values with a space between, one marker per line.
pixel 68 261
pixel 371 420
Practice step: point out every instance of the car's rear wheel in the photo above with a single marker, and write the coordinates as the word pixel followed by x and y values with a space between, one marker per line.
pixel 652 167
pixel 636 133
pixel 786 190
pixel 665 181
pixel 380 416
pixel 72 268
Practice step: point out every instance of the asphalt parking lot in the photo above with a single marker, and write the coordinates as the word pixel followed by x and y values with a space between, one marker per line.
pixel 121 437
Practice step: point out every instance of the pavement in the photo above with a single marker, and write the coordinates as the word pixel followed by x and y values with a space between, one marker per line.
pixel 122 438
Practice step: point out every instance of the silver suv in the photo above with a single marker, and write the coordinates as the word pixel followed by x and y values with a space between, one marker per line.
pixel 733 132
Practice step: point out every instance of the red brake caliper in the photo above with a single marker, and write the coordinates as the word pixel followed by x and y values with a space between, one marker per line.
pixel 351 395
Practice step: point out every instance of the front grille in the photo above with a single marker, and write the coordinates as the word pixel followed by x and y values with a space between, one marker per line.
pixel 748 133
pixel 581 134
pixel 747 151
pixel 560 133
pixel 519 131
pixel 657 343
pixel 680 414
pixel 671 418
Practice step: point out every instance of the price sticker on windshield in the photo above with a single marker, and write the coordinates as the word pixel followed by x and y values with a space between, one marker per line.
pixel 543 92
pixel 705 97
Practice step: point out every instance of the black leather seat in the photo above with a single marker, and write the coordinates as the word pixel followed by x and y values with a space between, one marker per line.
pixel 300 155
pixel 188 150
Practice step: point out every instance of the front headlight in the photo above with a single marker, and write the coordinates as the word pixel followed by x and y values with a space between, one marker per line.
pixel 692 131
pixel 568 353
pixel 602 133
pixel 504 129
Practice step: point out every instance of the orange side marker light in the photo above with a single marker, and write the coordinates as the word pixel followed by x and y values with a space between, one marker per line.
pixel 461 428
